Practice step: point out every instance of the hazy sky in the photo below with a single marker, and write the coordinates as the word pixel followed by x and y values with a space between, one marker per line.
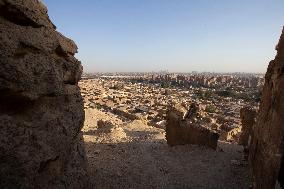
pixel 173 35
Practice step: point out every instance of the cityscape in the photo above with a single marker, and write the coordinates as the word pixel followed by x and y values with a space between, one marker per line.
pixel 147 96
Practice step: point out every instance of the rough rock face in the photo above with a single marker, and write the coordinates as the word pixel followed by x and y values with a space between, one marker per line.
pixel 41 109
pixel 183 131
pixel 248 116
pixel 267 148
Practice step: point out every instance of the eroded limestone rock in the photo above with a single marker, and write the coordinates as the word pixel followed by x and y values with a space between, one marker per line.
pixel 181 130
pixel 248 116
pixel 41 109
pixel 267 148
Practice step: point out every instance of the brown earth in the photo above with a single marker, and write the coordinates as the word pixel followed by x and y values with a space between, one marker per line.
pixel 134 155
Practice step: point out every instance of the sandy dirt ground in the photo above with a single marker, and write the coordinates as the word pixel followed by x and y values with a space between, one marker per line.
pixel 133 155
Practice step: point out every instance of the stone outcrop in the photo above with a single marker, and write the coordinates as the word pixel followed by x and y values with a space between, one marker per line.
pixel 247 116
pixel 41 109
pixel 267 148
pixel 181 130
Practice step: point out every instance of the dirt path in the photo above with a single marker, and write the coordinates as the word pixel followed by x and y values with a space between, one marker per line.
pixel 134 155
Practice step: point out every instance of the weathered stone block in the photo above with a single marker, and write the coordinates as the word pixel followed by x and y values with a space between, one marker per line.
pixel 248 116
pixel 180 131
pixel 41 109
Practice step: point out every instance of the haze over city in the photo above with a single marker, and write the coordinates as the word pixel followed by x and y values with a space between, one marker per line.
pixel 178 36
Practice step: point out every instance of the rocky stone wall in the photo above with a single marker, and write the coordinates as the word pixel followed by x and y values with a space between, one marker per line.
pixel 181 131
pixel 267 148
pixel 41 109
pixel 247 116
